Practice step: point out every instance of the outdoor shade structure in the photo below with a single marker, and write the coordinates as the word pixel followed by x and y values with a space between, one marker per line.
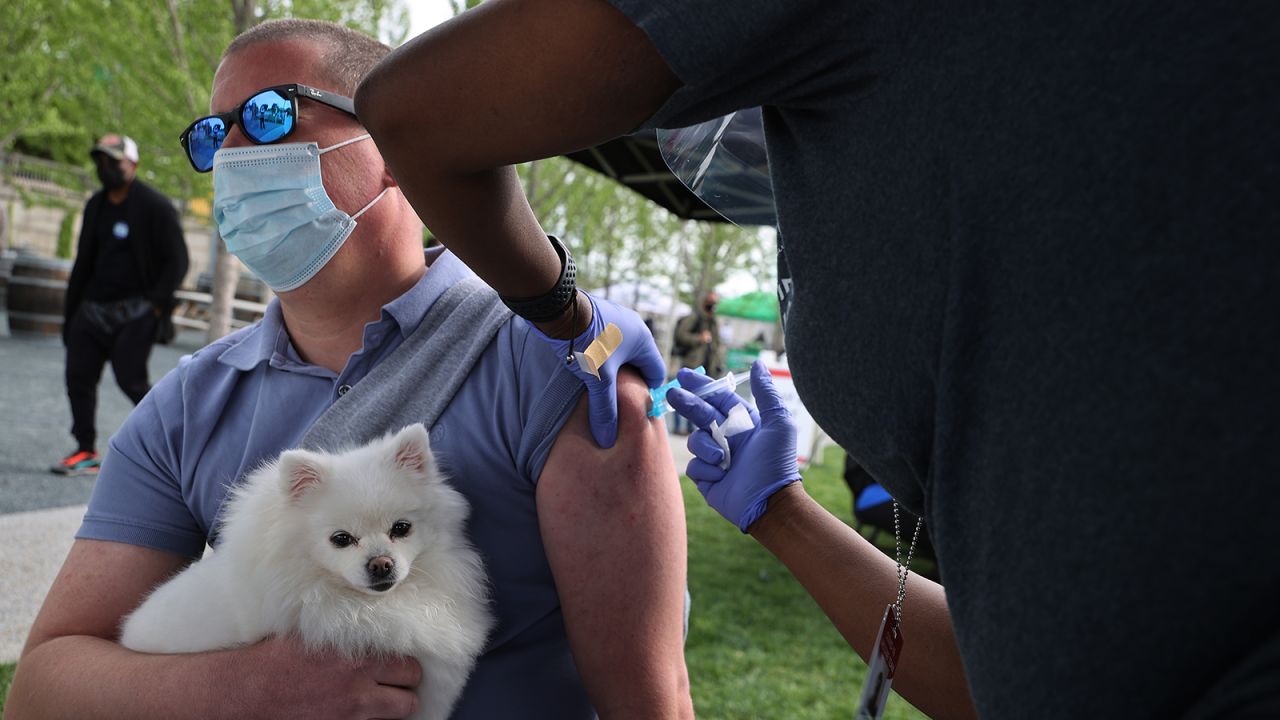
pixel 757 305
pixel 634 161
pixel 723 158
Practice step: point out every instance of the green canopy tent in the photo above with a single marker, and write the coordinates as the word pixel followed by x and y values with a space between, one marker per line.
pixel 753 321
pixel 757 305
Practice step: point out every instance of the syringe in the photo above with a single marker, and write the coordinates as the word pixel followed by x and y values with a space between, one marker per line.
pixel 658 395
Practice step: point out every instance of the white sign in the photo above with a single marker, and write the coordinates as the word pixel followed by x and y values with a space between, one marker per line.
pixel 806 428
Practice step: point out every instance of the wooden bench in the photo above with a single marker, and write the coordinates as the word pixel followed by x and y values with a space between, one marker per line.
pixel 192 310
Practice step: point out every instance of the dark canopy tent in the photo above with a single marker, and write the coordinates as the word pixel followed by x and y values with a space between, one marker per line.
pixel 636 161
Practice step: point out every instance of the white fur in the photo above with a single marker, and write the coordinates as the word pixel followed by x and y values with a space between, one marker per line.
pixel 276 570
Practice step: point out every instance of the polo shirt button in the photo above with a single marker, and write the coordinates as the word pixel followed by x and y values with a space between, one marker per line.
pixel 342 390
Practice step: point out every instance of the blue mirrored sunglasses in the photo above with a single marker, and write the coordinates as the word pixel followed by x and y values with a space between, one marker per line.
pixel 268 116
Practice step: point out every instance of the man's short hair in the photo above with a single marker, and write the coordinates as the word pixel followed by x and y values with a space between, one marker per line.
pixel 348 54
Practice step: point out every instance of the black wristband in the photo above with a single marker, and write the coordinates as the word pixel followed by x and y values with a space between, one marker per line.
pixel 551 304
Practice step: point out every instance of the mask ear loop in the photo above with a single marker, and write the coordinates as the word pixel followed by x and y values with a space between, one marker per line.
pixel 344 143
pixel 371 202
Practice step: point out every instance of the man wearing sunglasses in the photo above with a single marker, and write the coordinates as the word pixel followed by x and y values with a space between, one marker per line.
pixel 584 547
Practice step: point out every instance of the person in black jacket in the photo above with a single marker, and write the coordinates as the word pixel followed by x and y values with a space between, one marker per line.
pixel 131 258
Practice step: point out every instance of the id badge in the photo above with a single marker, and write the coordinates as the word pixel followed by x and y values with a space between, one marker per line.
pixel 880 669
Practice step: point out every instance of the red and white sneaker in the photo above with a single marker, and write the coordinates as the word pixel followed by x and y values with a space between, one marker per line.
pixel 80 462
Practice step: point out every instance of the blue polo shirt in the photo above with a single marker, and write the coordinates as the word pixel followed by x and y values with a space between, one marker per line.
pixel 242 400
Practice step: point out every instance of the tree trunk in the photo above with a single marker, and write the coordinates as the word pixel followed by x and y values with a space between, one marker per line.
pixel 226 274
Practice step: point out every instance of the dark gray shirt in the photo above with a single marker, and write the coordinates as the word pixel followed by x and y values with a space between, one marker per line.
pixel 1052 234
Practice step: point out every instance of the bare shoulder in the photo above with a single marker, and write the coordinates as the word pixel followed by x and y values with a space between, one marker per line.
pixel 641 439
pixel 99 583
pixel 581 477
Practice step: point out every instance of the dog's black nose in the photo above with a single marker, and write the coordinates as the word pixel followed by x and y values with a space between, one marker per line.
pixel 380 567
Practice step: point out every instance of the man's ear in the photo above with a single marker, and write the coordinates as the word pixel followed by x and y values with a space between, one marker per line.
pixel 388 180
pixel 412 450
pixel 299 472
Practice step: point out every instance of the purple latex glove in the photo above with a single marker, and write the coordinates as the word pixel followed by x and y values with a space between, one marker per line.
pixel 762 460
pixel 637 349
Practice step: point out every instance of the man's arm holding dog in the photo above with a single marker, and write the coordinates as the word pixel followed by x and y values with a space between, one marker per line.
pixel 73 667
pixel 613 525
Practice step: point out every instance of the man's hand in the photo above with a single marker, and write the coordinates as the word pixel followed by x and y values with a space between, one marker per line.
pixel 281 679
pixel 73 666
pixel 637 349
pixel 762 460
pixel 706 336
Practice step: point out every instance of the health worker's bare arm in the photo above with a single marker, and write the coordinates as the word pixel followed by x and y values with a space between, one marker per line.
pixel 853 582
pixel 507 82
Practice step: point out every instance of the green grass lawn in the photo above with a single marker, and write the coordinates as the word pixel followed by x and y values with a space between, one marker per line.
pixel 6 677
pixel 758 647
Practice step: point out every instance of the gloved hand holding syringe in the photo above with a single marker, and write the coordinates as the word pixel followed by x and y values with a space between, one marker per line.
pixel 741 455
pixel 739 420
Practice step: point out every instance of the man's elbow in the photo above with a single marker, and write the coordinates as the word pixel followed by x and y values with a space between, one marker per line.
pixel 657 695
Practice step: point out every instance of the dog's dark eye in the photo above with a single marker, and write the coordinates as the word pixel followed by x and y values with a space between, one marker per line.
pixel 341 539
pixel 400 529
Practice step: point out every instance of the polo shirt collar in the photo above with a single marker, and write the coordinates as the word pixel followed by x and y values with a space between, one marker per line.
pixel 261 341
pixel 258 342
pixel 444 270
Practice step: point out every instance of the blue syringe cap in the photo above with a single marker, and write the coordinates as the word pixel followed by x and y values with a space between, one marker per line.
pixel 658 399
pixel 658 396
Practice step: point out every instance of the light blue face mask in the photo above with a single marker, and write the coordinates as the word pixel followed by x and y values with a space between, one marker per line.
pixel 274 214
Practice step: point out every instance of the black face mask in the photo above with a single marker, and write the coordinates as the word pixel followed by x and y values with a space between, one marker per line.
pixel 111 175
pixel 710 308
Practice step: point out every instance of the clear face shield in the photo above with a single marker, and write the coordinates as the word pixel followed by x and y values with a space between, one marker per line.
pixel 723 162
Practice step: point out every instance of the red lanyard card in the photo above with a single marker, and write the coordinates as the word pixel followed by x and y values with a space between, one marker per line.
pixel 880 669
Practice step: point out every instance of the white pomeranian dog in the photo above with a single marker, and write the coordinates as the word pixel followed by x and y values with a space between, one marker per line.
pixel 363 552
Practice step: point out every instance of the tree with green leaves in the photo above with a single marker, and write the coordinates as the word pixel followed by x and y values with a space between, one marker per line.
pixel 71 72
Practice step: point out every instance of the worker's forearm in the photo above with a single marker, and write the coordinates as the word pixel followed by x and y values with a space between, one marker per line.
pixel 453 109
pixel 852 582
pixel 88 678
pixel 472 201
pixel 486 221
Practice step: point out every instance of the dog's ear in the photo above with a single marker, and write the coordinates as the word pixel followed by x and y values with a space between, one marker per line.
pixel 299 471
pixel 413 449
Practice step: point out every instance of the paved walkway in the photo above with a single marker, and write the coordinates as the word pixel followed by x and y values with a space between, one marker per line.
pixel 35 543
pixel 40 511
pixel 35 418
